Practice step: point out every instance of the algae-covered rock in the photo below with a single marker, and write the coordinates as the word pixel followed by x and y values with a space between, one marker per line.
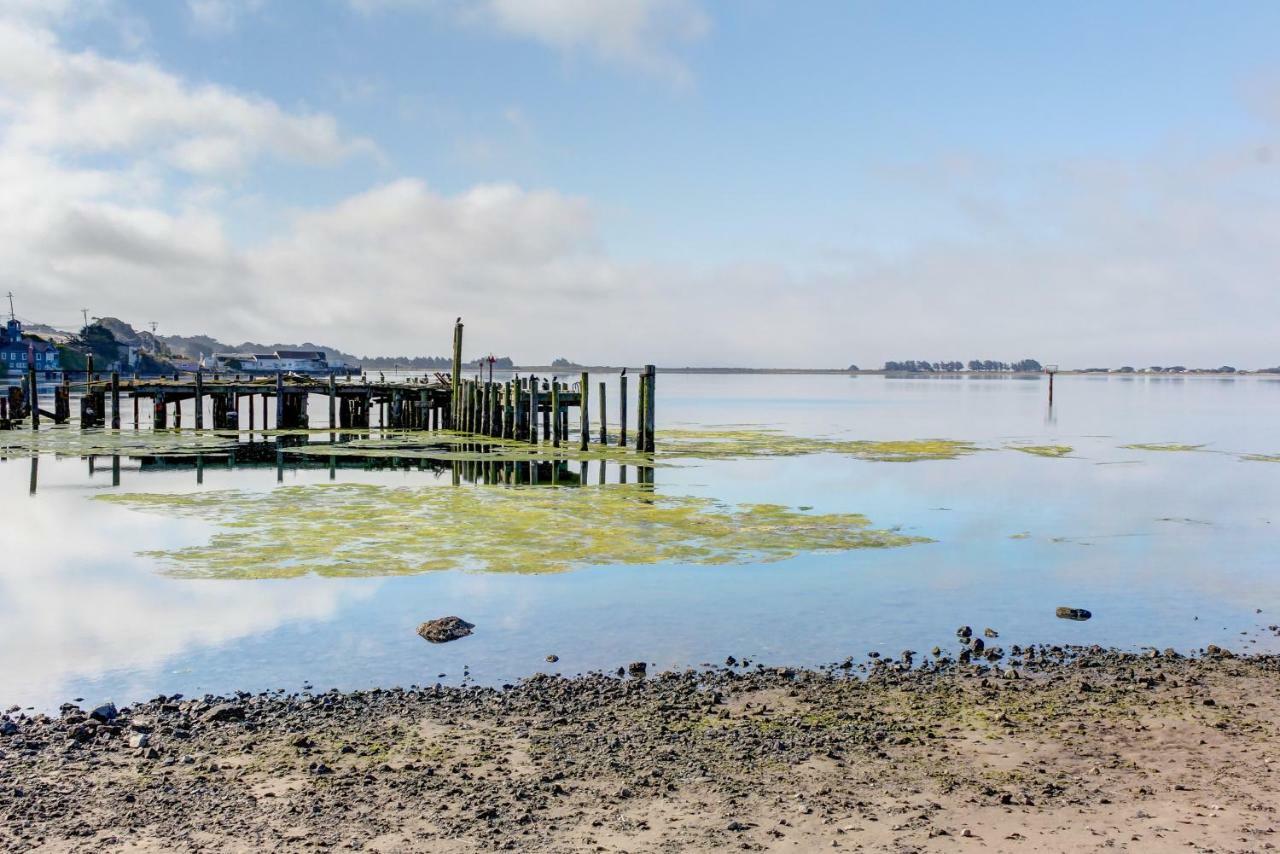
pixel 1066 613
pixel 445 629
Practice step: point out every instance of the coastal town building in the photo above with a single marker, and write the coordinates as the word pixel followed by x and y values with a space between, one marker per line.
pixel 287 361
pixel 17 350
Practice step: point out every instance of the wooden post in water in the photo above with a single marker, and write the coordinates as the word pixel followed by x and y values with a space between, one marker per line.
pixel 333 400
pixel 115 400
pixel 250 416
pixel 622 409
pixel 279 401
pixel 486 411
pixel 160 415
pixel 650 422
pixel 533 409
pixel 640 420
pixel 135 407
pixel 200 401
pixel 604 427
pixel 555 413
pixel 457 370
pixel 35 395
pixel 584 412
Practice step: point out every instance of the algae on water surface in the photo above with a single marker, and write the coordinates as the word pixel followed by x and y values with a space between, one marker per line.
pixel 765 442
pixel 370 530
pixel 1043 450
pixel 1162 446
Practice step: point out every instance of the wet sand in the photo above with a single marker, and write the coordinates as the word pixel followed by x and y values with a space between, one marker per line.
pixel 1050 749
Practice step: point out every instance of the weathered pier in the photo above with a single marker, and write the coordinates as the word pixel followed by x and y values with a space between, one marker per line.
pixel 525 408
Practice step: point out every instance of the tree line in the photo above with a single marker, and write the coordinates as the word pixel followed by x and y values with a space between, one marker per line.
pixel 911 366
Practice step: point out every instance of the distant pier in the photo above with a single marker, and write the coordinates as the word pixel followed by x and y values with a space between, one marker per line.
pixel 523 408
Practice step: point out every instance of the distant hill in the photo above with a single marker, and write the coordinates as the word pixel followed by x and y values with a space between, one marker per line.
pixel 203 345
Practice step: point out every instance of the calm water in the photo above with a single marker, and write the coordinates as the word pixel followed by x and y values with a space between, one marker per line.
pixel 1166 548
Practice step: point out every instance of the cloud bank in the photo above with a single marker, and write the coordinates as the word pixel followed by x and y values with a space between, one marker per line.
pixel 122 194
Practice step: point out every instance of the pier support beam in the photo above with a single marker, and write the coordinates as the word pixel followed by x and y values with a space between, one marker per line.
pixel 604 425
pixel 200 402
pixel 584 412
pixel 115 400
pixel 650 422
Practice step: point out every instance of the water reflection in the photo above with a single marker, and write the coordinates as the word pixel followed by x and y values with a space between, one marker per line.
pixel 1120 531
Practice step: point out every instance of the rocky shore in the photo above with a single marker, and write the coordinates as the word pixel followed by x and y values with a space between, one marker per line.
pixel 1050 749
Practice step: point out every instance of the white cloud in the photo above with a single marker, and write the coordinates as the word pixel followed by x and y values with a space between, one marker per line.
pixel 54 100
pixel 640 34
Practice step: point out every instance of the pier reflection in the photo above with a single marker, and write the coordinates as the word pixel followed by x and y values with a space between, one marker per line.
pixel 297 454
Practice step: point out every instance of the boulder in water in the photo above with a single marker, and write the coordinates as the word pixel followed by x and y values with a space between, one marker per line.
pixel 445 629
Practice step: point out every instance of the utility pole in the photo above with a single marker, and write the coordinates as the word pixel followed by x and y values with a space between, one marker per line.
pixel 12 316
pixel 85 312
pixel 153 325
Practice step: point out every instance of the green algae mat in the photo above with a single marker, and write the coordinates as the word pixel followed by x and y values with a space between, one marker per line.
pixel 372 530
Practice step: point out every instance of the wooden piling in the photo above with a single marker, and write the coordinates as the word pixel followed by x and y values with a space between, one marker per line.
pixel 135 410
pixel 555 413
pixel 640 420
pixel 650 408
pixel 584 412
pixel 604 428
pixel 279 401
pixel 200 401
pixel 622 409
pixel 115 400
pixel 533 410
pixel 457 370
pixel 35 395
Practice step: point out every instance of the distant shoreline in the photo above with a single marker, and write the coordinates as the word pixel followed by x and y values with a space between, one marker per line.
pixel 567 369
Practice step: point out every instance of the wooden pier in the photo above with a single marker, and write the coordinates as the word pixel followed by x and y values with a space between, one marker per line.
pixel 523 408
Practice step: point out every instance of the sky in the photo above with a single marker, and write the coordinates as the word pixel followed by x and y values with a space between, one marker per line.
pixel 756 183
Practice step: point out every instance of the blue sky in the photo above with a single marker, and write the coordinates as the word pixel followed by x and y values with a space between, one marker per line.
pixel 656 180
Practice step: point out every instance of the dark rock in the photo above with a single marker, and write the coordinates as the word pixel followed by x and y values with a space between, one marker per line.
pixel 637 669
pixel 224 712
pixel 964 632
pixel 106 713
pixel 1073 613
pixel 977 645
pixel 553 658
pixel 445 629
pixel 990 632
pixel 8 727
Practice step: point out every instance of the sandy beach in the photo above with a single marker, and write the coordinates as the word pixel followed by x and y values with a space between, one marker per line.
pixel 1052 749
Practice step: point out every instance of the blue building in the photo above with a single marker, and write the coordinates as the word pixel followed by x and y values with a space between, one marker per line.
pixel 16 350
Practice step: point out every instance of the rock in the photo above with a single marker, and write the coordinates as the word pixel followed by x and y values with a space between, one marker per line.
pixel 990 632
pixel 106 713
pixel 964 632
pixel 139 739
pixel 224 712
pixel 445 629
pixel 730 661
pixel 553 658
pixel 977 645
pixel 1073 613
pixel 8 727
pixel 637 669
